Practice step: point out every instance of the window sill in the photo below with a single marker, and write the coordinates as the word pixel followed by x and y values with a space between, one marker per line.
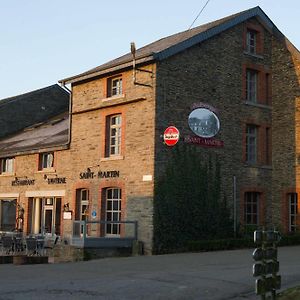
pixel 8 174
pixel 119 157
pixel 265 167
pixel 257 105
pixel 253 54
pixel 46 170
pixel 117 97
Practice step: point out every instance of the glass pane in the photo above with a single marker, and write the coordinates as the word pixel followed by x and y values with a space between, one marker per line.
pixel 109 194
pixel 116 205
pixel 116 193
pixel 109 216
pixel 109 205
pixel 115 229
pixel 8 215
pixel 115 216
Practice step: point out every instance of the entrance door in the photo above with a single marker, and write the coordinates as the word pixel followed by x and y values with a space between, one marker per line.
pixel 82 210
pixel 45 215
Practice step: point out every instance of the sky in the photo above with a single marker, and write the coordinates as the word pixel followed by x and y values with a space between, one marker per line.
pixel 43 41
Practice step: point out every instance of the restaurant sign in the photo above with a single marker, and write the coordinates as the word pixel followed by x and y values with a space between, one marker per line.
pixel 21 182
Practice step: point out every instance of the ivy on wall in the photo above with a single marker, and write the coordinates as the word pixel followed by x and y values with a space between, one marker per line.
pixel 188 205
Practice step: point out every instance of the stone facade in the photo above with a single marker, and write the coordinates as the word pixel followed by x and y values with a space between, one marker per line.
pixel 164 93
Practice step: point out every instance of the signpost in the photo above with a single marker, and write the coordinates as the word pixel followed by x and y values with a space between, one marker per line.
pixel 266 265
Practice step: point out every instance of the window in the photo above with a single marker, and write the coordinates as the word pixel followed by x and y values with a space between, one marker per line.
pixel 114 86
pixel 113 140
pixel 251 143
pixel 293 211
pixel 113 210
pixel 251 208
pixel 8 214
pixel 251 85
pixel 251 41
pixel 7 165
pixel 46 160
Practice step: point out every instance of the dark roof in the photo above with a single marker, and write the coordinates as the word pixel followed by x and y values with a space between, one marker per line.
pixel 176 43
pixel 22 111
pixel 50 134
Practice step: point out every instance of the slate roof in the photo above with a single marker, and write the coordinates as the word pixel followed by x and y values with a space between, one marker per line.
pixel 50 134
pixel 24 110
pixel 176 43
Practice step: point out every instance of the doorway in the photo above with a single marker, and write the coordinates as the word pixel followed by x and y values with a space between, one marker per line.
pixel 45 216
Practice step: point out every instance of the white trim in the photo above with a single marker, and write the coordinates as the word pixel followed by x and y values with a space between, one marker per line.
pixel 9 195
pixel 53 193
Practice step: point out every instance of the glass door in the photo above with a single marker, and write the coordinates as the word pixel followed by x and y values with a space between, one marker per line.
pixel 46 215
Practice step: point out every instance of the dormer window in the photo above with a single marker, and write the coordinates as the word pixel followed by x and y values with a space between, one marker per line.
pixel 251 41
pixel 7 165
pixel 114 86
pixel 46 160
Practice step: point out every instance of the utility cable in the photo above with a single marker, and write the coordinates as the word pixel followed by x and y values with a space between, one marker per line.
pixel 199 14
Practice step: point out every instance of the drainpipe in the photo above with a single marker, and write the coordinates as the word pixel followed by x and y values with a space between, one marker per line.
pixel 234 207
pixel 70 111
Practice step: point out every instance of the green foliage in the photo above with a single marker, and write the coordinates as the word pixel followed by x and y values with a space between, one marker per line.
pixel 188 205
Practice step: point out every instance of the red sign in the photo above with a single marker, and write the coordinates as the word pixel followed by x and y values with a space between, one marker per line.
pixel 171 136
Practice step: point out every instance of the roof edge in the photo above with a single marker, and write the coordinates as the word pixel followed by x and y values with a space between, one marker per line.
pixel 12 98
pixel 198 38
pixel 90 74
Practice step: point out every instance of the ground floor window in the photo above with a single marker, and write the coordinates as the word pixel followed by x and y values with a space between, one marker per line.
pixel 113 210
pixel 8 214
pixel 293 211
pixel 251 208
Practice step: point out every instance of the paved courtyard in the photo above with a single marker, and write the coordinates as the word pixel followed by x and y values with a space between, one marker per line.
pixel 210 275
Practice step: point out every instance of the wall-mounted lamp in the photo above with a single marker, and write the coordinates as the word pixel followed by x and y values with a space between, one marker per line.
pixel 47 176
pixel 19 178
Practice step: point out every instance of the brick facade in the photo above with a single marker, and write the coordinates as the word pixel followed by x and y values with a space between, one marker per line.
pixel 164 93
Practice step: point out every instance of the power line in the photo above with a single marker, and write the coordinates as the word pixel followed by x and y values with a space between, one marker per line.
pixel 199 14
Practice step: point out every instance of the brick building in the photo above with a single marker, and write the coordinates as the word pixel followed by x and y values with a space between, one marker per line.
pixel 231 87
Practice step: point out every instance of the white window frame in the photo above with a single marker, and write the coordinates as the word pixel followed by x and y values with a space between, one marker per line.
pixel 251 198
pixel 293 211
pixel 251 41
pixel 47 160
pixel 115 85
pixel 84 204
pixel 7 165
pixel 115 135
pixel 251 143
pixel 251 85
pixel 113 211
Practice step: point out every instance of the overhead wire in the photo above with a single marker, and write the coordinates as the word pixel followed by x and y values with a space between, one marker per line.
pixel 199 14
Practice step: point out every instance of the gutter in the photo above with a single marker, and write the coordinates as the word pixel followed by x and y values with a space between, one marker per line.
pixel 113 68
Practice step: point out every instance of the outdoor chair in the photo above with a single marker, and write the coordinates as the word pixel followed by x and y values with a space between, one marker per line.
pixel 18 244
pixel 7 245
pixel 31 246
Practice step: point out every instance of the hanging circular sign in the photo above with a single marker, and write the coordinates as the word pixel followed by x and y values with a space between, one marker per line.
pixel 204 123
pixel 171 136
